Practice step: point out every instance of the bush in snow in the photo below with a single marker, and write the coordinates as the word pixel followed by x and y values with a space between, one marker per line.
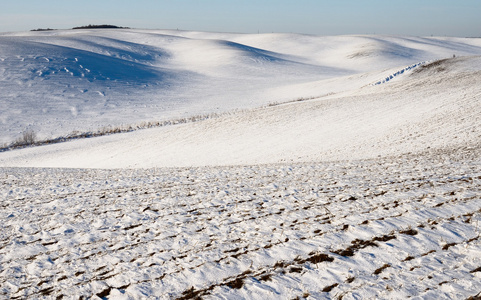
pixel 28 137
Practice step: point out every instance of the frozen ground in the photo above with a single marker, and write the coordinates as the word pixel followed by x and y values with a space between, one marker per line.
pixel 329 167
pixel 398 227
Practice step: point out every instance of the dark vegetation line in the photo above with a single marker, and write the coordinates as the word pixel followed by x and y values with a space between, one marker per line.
pixel 29 137
pixel 43 29
pixel 104 26
pixel 90 26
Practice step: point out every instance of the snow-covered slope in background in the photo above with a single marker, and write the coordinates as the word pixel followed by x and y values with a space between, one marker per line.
pixel 58 82
pixel 433 107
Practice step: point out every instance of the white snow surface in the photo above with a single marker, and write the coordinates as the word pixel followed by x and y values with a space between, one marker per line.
pixel 388 228
pixel 435 105
pixel 344 167
pixel 59 82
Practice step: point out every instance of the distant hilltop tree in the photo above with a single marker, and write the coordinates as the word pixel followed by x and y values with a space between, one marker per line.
pixel 105 26
pixel 42 29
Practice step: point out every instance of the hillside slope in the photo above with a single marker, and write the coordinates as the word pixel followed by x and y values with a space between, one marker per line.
pixel 58 82
pixel 433 107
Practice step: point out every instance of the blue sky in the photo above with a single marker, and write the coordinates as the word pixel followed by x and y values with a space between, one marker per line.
pixel 402 17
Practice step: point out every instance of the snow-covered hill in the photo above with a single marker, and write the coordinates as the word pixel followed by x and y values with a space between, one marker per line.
pixel 58 82
pixel 435 105
pixel 343 167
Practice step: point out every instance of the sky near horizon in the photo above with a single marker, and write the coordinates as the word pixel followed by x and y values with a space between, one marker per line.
pixel 406 17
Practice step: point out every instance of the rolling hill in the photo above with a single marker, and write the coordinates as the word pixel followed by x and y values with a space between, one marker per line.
pixel 59 82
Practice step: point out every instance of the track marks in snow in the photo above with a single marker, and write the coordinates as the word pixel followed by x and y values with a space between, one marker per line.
pixel 406 225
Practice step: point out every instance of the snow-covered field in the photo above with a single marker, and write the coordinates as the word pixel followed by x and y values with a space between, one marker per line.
pixel 344 167
pixel 387 228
